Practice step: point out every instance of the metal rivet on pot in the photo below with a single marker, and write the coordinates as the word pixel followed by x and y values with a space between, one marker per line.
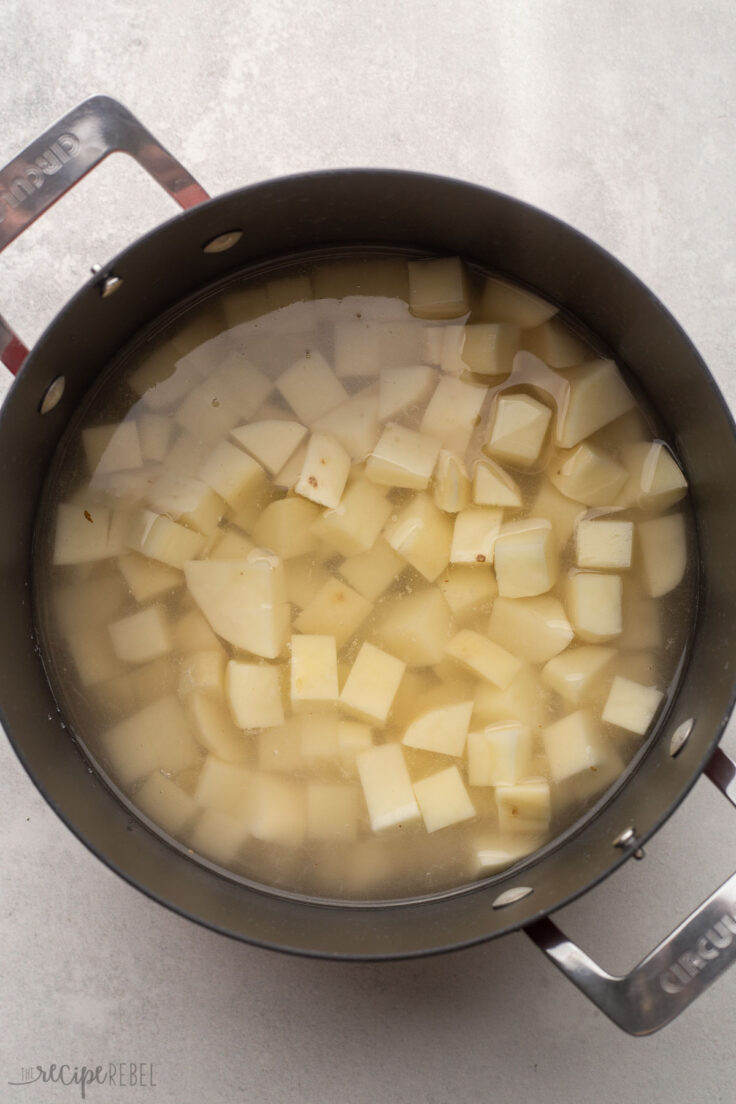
pixel 627 838
pixel 681 736
pixel 109 286
pixel 511 896
pixel 95 268
pixel 222 242
pixel 53 393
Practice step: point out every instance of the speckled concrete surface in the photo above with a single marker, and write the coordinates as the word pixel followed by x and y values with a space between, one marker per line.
pixel 619 118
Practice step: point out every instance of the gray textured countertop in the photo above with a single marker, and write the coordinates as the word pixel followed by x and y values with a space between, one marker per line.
pixel 619 118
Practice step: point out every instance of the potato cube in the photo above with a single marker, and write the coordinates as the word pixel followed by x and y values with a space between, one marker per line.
pixel 588 475
pixel 525 558
pixel 451 483
pixel 285 527
pixel 154 434
pixel 278 812
pixel 474 535
pixel 415 627
pixel 443 799
pixel 631 706
pixel 304 580
pixel 467 590
pixel 655 481
pixel 517 430
pixel 141 636
pixel 318 738
pixel 219 836
pixel 93 655
pixel 422 534
pixel 272 443
pixel 352 738
pixel 525 807
pixel 402 388
pixel 202 671
pixel 489 348
pixel 148 579
pixel 642 628
pixel 573 746
pixel 536 628
pixel 332 811
pixel 254 694
pixel 387 787
pixel 336 610
pixel 156 738
pixel 190 501
pixel 88 603
pixel 453 412
pixel 372 684
pixel 597 396
pixel 231 545
pixel 214 729
pixel 243 600
pixel 575 673
pixel 483 657
pixel 324 472
pixel 437 288
pixel 604 544
pixel 186 455
pixel 354 424
pixel 223 786
pixel 492 486
pixel 111 448
pixel 279 749
pixel 561 511
pixel 233 474
pixel 162 539
pixel 82 536
pixel 311 388
pixel 555 344
pixel 357 343
pixel 502 302
pixel 191 633
pixel 354 525
pixel 207 411
pixel 663 547
pixel 524 701
pixel 372 572
pixel 494 854
pixel 313 672
pixel 403 458
pixel 500 754
pixel 443 730
pixel 166 804
pixel 235 391
pixel 287 477
pixel 594 605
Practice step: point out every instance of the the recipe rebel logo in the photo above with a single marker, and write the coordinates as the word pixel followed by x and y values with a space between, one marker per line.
pixel 120 1075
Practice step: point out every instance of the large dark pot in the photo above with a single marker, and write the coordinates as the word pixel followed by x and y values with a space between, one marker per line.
pixel 404 210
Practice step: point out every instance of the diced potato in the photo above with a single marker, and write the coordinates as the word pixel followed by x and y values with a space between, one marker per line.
pixel 499 754
pixel 223 786
pixel 146 578
pixel 219 836
pixel 496 853
pixel 576 672
pixel 332 811
pixel 489 348
pixel 387 787
pixel 372 684
pixel 285 527
pixel 474 535
pixel 415 627
pixel 279 749
pixel 272 443
pixel 318 738
pixel 189 501
pixel 631 706
pixel 161 382
pixel 243 600
pixel 492 486
pixel 214 728
pixel 402 388
pixel 442 730
pixel 166 804
pixel 372 572
pixel 413 687
pixel 403 458
pixel 336 610
pixel 191 633
pixel 353 526
pixel 352 738
pixel 597 396
pixel 525 807
pixel 150 681
pixel 354 424
pixel 642 628
pixel 637 666
pixel 483 657
pixel 110 448
pixel 524 701
pixel 517 430
pixel 561 511
pixel 82 536
pixel 304 580
pixel 357 347
pixel 324 472
pixel 443 799
pixel 655 481
pixel 451 490
pixel 229 395
pixel 93 655
pixel 501 302
pixel 437 288
pixel 291 471
pixel 663 547
pixel 233 474
pixel 594 605
pixel 604 544
pixel 555 344
pixel 254 694
pixel 141 636
pixel 311 388
pixel 313 672
pixel 231 545
pixel 202 671
pixel 278 810
pixel 453 412
pixel 89 603
pixel 525 558
pixel 467 590
pixel 186 455
pixel 422 535
pixel 588 475
pixel 573 745
pixel 160 538
pixel 536 628
pixel 156 738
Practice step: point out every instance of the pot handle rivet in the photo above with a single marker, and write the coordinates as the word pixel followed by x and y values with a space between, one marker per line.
pixel 680 736
pixel 109 286
pixel 52 395
pixel 511 896
pixel 222 242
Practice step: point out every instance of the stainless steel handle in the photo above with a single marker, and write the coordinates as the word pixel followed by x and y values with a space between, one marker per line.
pixel 678 970
pixel 66 152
